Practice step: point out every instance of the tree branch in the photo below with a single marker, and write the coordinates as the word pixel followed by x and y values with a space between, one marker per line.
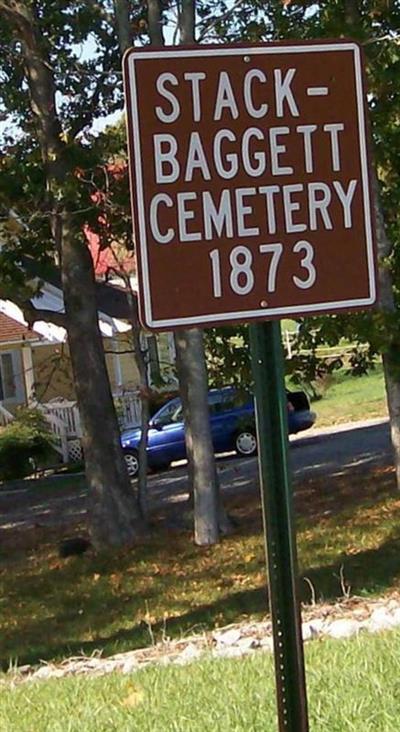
pixel 87 117
pixel 219 19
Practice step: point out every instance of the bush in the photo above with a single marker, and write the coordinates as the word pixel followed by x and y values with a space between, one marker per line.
pixel 24 444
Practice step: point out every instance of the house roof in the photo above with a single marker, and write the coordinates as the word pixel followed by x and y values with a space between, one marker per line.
pixel 13 331
pixel 51 299
pixel 105 260
pixel 40 331
pixel 111 299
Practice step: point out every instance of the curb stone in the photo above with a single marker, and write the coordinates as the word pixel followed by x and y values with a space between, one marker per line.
pixel 345 619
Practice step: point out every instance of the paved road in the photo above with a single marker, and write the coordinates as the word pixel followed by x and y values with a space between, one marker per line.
pixel 323 452
pixel 337 450
pixel 328 452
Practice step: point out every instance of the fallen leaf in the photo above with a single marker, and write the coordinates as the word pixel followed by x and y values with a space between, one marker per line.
pixel 116 580
pixel 55 565
pixel 249 557
pixel 135 696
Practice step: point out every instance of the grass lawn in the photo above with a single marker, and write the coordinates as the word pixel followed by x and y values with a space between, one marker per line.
pixel 353 686
pixel 348 527
pixel 53 607
pixel 351 398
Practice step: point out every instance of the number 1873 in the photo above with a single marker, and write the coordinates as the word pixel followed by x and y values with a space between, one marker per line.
pixel 241 277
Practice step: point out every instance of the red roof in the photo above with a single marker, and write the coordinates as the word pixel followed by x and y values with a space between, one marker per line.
pixel 11 330
pixel 105 260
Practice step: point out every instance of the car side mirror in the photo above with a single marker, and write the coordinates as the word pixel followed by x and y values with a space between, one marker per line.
pixel 156 424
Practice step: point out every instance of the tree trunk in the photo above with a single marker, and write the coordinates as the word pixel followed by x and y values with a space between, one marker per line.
pixel 392 384
pixel 154 17
pixel 386 289
pixel 113 516
pixel 192 374
pixel 199 448
pixel 121 10
pixel 187 21
pixel 144 405
pixel 387 303
pixel 209 514
pixel 184 377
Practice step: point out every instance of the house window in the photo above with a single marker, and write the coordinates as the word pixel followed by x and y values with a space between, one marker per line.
pixel 8 387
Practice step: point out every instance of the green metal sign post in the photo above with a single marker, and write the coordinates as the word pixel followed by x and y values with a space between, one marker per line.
pixel 271 411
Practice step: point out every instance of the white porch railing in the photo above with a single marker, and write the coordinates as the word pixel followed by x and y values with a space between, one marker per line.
pixel 128 409
pixel 66 413
pixel 127 405
pixel 59 430
pixel 64 419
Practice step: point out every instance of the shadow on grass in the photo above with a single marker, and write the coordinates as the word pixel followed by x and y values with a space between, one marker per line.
pixel 226 610
pixel 372 571
pixel 367 572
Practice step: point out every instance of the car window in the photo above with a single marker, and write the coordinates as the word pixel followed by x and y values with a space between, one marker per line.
pixel 171 412
pixel 237 400
pixel 178 414
pixel 214 402
pixel 229 400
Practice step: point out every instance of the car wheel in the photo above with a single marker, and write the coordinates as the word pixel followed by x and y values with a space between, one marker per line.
pixel 132 462
pixel 246 443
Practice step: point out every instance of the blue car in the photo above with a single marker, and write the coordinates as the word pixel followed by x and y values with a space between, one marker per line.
pixel 232 427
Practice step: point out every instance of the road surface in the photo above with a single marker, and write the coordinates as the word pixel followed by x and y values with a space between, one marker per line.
pixel 327 452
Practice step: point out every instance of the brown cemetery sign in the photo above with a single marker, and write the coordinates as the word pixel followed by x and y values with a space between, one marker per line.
pixel 249 174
